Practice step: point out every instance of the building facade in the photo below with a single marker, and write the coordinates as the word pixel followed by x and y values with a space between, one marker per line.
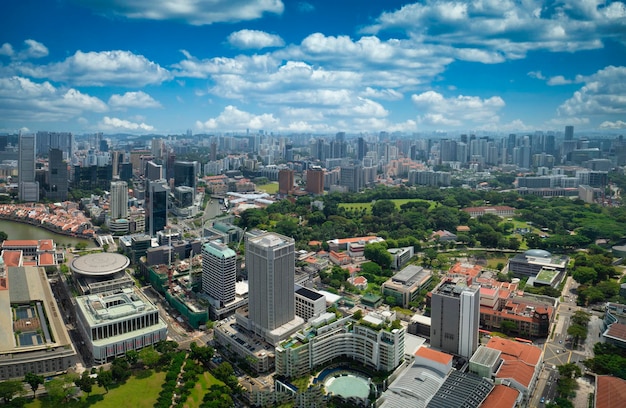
pixel 219 272
pixel 28 188
pixel 119 200
pixel 455 312
pixel 57 176
pixel 157 198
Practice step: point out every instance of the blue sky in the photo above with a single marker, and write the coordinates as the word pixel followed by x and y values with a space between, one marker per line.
pixel 216 66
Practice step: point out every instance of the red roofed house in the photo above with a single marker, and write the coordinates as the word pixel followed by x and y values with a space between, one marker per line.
pixel 435 359
pixel 359 281
pixel 610 392
pixel 501 397
pixel 339 258
pixel 521 364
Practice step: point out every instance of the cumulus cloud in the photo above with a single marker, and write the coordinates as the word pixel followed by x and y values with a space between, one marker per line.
pixel 235 119
pixel 559 80
pixel 618 124
pixel 116 124
pixel 305 7
pixel 437 110
pixel 117 68
pixel 196 12
pixel 22 99
pixel 510 28
pixel 536 75
pixel 254 39
pixel 138 99
pixel 385 94
pixel 33 49
pixel 602 94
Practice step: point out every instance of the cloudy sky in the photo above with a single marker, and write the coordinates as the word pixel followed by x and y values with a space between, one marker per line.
pixel 147 66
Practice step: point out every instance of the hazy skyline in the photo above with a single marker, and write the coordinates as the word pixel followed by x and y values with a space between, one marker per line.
pixel 312 67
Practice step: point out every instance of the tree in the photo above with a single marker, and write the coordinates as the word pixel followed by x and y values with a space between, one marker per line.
pixel 149 357
pixel 358 315
pixel 577 332
pixel 581 317
pixel 85 383
pixel 584 275
pixel 508 326
pixel 120 370
pixel 34 381
pixel 132 356
pixel 61 388
pixel 377 252
pixel 383 208
pixel 105 379
pixel 10 388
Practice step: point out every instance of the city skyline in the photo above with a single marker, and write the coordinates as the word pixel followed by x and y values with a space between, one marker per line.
pixel 312 67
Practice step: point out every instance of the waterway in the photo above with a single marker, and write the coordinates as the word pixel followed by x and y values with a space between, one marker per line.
pixel 17 230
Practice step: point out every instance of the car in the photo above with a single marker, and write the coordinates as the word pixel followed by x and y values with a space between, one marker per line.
pixel 542 400
pixel 558 351
pixel 560 341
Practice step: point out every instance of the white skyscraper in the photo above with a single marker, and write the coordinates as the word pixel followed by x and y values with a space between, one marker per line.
pixel 28 188
pixel 119 200
pixel 270 262
pixel 219 272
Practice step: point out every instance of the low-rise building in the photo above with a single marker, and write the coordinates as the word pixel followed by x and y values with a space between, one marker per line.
pixel 115 323
pixel 533 261
pixel 405 285
pixel 401 256
pixel 309 303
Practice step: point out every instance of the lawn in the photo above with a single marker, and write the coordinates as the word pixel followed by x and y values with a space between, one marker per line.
pixel 137 392
pixel 204 383
pixel 398 202
pixel 269 188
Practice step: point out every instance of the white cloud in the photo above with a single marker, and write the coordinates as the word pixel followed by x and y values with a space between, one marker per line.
pixel 138 99
pixel 603 93
pixel 22 99
pixel 117 68
pixel 116 124
pixel 235 119
pixel 248 39
pixel 33 49
pixel 438 110
pixel 509 28
pixel 536 75
pixel 559 80
pixel 385 94
pixel 196 12
pixel 7 50
pixel 618 124
pixel 305 7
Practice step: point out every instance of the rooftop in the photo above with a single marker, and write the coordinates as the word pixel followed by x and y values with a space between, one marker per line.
pixel 309 294
pixel 99 264
pixel 411 274
pixel 616 331
pixel 461 390
pixel 434 355
pixel 501 397
pixel 610 392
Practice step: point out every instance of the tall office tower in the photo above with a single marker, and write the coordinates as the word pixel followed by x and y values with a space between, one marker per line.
pixel 153 171
pixel 185 174
pixel 119 200
pixel 219 272
pixel 285 181
pixel 57 177
pixel 213 154
pixel 270 262
pixel 157 199
pixel 352 178
pixel 361 148
pixel 569 132
pixel 315 180
pixel 28 188
pixel 455 315
pixel 447 150
pixel 156 148
pixel 54 140
pixel 288 153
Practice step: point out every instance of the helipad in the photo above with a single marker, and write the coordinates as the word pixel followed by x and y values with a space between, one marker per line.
pixel 100 264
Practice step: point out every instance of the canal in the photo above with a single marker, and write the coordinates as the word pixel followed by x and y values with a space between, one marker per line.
pixel 17 230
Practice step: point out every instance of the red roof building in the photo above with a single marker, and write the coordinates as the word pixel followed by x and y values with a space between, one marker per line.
pixel 610 392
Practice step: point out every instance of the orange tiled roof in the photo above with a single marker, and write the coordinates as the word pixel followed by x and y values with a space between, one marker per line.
pixel 501 397
pixel 12 258
pixel 520 359
pixel 20 243
pixel 29 263
pixel 354 240
pixel 46 259
pixel 610 392
pixel 46 244
pixel 433 355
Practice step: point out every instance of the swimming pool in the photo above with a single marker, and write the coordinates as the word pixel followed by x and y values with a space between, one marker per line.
pixel 348 385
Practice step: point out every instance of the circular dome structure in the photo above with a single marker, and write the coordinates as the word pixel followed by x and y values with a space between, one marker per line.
pixel 538 253
pixel 100 264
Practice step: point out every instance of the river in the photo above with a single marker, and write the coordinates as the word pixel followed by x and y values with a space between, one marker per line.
pixel 17 230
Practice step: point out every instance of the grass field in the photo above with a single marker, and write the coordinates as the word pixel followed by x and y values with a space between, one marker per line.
pixel 204 383
pixel 398 202
pixel 136 392
pixel 269 188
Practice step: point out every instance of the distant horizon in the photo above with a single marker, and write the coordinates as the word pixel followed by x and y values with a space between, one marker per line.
pixel 312 67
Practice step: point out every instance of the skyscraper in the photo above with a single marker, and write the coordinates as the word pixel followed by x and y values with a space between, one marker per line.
pixel 185 174
pixel 285 181
pixel 219 271
pixel 315 180
pixel 119 200
pixel 455 313
pixel 270 262
pixel 157 200
pixel 28 188
pixel 569 132
pixel 57 176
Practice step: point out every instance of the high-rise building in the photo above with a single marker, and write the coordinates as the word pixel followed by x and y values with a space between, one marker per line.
pixel 157 200
pixel 185 174
pixel 54 140
pixel 352 178
pixel 315 180
pixel 455 316
pixel 219 271
pixel 569 132
pixel 270 263
pixel 57 176
pixel 28 188
pixel 119 200
pixel 285 181
pixel 153 171
pixel 361 148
